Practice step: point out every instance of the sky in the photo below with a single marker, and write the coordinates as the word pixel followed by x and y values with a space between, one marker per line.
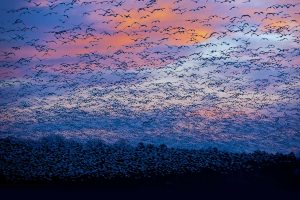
pixel 186 73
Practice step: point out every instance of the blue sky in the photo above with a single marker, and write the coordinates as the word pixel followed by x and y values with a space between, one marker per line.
pixel 189 74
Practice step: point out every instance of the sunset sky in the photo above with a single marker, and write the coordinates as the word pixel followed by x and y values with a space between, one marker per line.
pixel 187 73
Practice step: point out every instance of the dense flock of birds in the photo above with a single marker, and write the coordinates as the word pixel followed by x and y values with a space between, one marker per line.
pixel 189 73
pixel 55 160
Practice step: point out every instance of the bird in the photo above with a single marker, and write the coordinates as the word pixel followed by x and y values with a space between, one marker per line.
pixel 104 59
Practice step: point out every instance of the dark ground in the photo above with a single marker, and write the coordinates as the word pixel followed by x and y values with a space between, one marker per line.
pixel 233 187
pixel 56 168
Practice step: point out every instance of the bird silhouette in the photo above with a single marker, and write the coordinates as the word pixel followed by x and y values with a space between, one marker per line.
pixel 221 68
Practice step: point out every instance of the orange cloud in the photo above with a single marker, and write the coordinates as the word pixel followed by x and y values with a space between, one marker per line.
pixel 218 113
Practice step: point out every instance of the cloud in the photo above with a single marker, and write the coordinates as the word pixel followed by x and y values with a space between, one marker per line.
pixel 180 72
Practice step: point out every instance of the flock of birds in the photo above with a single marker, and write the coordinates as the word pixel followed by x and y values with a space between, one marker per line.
pixel 188 73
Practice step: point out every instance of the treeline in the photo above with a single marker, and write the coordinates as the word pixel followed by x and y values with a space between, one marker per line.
pixel 55 159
